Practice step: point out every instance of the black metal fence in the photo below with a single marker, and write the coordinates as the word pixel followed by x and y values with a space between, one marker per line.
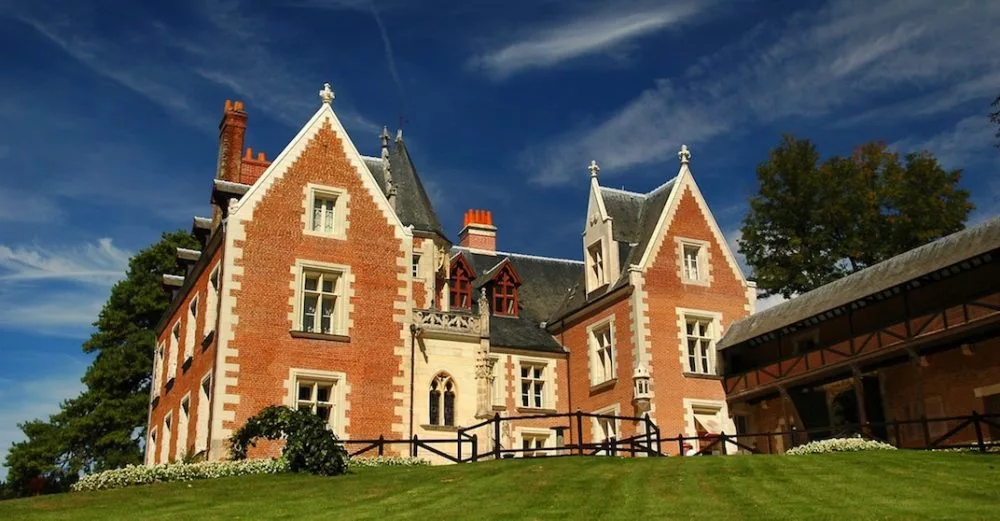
pixel 977 431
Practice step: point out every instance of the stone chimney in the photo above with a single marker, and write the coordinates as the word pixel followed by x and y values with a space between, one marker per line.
pixel 478 233
pixel 232 131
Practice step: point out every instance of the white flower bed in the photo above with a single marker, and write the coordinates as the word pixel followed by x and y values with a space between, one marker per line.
pixel 133 475
pixel 386 461
pixel 839 445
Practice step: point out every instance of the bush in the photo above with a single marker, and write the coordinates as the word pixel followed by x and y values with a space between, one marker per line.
pixel 856 444
pixel 133 475
pixel 387 461
pixel 309 444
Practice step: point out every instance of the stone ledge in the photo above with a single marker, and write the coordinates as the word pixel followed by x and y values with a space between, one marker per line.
pixel 319 336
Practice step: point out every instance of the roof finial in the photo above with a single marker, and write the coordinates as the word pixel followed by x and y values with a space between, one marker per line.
pixel 684 155
pixel 594 169
pixel 384 136
pixel 326 95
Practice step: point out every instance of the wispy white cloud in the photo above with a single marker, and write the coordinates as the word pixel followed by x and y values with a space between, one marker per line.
pixel 17 206
pixel 969 142
pixel 100 263
pixel 816 62
pixel 583 33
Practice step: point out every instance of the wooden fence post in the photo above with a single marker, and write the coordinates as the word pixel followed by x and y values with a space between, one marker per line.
pixel 979 432
pixel 459 448
pixel 381 445
pixel 725 439
pixel 612 446
pixel 496 435
pixel 475 447
pixel 680 444
pixel 413 446
pixel 579 432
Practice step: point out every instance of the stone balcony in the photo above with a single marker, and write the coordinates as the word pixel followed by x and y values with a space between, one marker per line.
pixel 448 322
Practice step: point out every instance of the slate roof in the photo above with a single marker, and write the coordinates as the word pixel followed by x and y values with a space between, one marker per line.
pixel 544 282
pixel 634 217
pixel 887 274
pixel 412 204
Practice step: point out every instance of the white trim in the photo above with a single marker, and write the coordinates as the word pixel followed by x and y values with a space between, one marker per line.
pixel 168 431
pixel 597 434
pixel 592 347
pixel 548 381
pixel 986 390
pixel 722 413
pixel 344 292
pixel 339 419
pixel 510 254
pixel 182 430
pixel 704 260
pixel 191 331
pixel 548 445
pixel 212 300
pixel 152 446
pixel 201 426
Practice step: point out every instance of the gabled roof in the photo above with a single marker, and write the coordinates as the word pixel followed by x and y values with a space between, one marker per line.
pixel 942 253
pixel 544 282
pixel 413 206
pixel 634 217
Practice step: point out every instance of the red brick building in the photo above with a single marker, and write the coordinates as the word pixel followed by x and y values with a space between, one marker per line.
pixel 325 281
pixel 913 339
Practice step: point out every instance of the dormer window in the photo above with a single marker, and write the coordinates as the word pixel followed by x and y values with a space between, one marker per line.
pixel 461 285
pixel 504 291
pixel 595 260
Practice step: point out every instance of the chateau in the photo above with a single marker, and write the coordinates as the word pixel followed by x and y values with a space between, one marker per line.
pixel 325 281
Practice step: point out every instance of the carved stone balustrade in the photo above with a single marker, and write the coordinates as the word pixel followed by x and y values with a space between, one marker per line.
pixel 448 322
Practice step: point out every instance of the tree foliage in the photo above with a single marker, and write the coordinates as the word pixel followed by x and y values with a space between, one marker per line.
pixel 815 221
pixel 995 117
pixel 104 427
pixel 309 444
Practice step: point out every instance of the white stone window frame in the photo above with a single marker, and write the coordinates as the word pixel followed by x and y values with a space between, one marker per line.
pixel 597 431
pixel 415 264
pixel 341 219
pixel 204 408
pixel 547 383
pixel 715 319
pixel 721 412
pixel 168 427
pixel 191 330
pixel 498 392
pixel 598 372
pixel 212 301
pixel 704 268
pixel 534 433
pixel 173 350
pixel 597 267
pixel 344 293
pixel 153 445
pixel 183 424
pixel 338 421
pixel 158 359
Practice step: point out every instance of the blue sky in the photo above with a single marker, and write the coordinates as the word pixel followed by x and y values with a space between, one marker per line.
pixel 109 114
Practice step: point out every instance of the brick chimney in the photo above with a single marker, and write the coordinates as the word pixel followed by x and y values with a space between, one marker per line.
pixel 232 130
pixel 478 232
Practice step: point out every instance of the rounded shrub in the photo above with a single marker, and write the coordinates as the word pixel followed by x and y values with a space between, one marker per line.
pixel 856 444
pixel 309 444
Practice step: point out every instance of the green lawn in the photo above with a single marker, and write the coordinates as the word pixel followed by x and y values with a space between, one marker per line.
pixel 890 485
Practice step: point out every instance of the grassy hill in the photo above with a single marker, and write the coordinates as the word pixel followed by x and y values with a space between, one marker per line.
pixel 892 485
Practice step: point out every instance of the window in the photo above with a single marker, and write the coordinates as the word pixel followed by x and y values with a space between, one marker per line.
pixel 318 398
pixel 499 382
pixel 442 401
pixel 192 323
pixel 691 254
pixel 505 293
pixel 605 428
pixel 533 444
pixel 321 302
pixel 595 261
pixel 175 340
pixel 324 214
pixel 602 353
pixel 211 302
pixel 325 211
pixel 204 402
pixel 158 369
pixel 700 343
pixel 415 267
pixel 151 453
pixel 533 386
pixel 182 425
pixel 461 286
pixel 165 448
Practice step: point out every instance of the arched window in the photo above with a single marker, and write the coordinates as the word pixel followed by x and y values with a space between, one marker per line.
pixel 461 285
pixel 505 293
pixel 442 400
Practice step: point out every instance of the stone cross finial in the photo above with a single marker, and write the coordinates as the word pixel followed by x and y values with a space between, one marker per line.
pixel 326 95
pixel 684 155
pixel 384 136
pixel 594 169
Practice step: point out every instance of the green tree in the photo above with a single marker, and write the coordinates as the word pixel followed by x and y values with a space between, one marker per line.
pixel 104 427
pixel 813 222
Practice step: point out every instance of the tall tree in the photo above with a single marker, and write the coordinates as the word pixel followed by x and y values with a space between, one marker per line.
pixel 813 222
pixel 104 427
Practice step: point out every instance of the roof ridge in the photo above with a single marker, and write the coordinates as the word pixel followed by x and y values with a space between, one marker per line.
pixel 661 187
pixel 622 191
pixel 525 255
